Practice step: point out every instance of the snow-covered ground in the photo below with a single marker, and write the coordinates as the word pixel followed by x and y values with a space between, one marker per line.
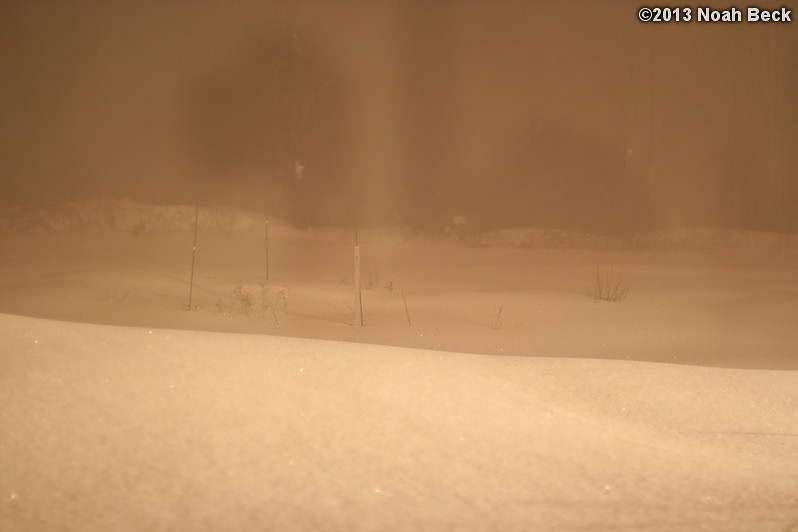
pixel 530 406
pixel 117 428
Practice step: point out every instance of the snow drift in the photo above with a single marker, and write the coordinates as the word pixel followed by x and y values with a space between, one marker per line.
pixel 115 428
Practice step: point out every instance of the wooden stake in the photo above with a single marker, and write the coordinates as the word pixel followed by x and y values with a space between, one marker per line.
pixel 267 248
pixel 358 298
pixel 402 288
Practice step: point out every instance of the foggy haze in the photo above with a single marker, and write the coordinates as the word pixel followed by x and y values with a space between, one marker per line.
pixel 569 301
pixel 565 115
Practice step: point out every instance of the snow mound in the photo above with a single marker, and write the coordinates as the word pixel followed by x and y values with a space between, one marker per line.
pixel 127 216
pixel 542 238
pixel 685 238
pixel 124 215
pixel 118 428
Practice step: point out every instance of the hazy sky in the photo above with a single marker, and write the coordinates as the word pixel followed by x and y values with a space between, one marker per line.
pixel 569 114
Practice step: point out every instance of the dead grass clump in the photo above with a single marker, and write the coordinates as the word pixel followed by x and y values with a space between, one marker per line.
pixel 271 302
pixel 608 286
pixel 242 299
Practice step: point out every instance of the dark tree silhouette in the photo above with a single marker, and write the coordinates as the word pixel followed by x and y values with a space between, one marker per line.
pixel 271 111
pixel 555 177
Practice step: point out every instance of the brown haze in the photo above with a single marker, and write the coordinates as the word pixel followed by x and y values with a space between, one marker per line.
pixel 570 115
pixel 569 301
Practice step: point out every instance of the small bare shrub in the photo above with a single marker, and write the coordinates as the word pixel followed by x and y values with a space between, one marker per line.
pixel 242 299
pixel 608 286
pixel 373 282
pixel 272 303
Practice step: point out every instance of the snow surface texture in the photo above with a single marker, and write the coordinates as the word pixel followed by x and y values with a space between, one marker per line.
pixel 116 428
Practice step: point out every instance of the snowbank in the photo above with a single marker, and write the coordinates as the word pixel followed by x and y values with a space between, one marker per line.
pixel 684 238
pixel 109 215
pixel 115 428
pixel 127 216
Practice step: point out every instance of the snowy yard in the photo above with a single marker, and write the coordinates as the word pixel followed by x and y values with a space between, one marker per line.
pixel 397 266
pixel 513 401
